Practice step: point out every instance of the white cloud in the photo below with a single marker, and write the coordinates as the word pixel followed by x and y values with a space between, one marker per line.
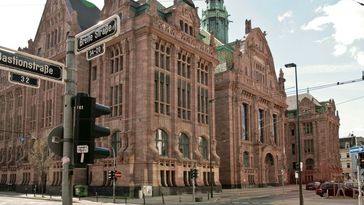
pixel 339 49
pixel 360 58
pixel 284 16
pixel 347 20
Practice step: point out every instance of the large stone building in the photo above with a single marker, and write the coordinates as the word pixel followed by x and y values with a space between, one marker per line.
pixel 319 133
pixel 250 103
pixel 348 163
pixel 157 76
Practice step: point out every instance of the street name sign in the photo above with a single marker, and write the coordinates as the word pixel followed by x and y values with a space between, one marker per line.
pixel 21 79
pixel 31 65
pixel 355 150
pixel 95 52
pixel 98 34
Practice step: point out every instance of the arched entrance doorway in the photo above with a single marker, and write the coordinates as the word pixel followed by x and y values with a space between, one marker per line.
pixel 269 169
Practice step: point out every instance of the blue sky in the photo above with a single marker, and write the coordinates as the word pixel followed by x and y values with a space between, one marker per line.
pixel 325 38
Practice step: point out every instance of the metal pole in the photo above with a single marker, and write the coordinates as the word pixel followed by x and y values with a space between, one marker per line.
pixel 358 173
pixel 298 138
pixel 70 91
pixel 210 133
pixel 115 140
pixel 113 180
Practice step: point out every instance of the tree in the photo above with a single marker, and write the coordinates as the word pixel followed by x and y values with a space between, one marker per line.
pixel 40 158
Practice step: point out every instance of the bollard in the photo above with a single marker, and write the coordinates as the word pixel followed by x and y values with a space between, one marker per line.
pixel 180 200
pixel 50 196
pixel 26 192
pixel 163 198
pixel 208 196
pixel 126 200
pixel 97 197
pixel 79 197
pixel 143 198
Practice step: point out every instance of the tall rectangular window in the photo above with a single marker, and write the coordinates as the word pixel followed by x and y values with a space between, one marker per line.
pixel 275 128
pixel 308 128
pixel 116 59
pixel 244 121
pixel 308 146
pixel 162 86
pixel 116 100
pixel 261 125
pixel 202 105
pixel 162 79
pixel 184 85
pixel 293 147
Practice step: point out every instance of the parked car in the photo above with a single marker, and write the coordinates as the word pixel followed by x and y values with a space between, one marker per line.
pixel 312 185
pixel 332 189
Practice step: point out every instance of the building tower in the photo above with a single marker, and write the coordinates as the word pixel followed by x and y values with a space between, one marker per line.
pixel 215 20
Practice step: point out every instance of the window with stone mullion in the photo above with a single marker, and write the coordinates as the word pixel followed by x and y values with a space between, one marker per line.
pixel 116 100
pixel 184 99
pixel 116 59
pixel 202 105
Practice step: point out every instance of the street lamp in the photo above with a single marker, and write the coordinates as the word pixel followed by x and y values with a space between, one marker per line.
pixel 210 133
pixel 298 138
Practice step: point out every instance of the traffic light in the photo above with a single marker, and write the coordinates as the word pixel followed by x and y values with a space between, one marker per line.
pixel 86 110
pixel 111 175
pixel 194 173
pixel 361 160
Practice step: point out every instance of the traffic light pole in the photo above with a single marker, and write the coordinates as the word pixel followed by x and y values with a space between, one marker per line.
pixel 70 91
pixel 114 178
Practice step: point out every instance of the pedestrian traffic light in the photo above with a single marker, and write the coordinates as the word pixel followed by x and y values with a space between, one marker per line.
pixel 361 160
pixel 86 110
pixel 111 175
pixel 194 173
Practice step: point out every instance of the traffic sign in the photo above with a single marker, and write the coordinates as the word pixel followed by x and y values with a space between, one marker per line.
pixel 117 174
pixel 358 149
pixel 95 52
pixel 21 79
pixel 97 34
pixel 82 148
pixel 31 65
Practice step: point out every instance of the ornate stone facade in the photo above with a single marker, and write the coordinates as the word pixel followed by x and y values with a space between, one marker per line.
pixel 157 76
pixel 319 133
pixel 249 108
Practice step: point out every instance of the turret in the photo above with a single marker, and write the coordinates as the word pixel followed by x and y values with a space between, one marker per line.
pixel 215 20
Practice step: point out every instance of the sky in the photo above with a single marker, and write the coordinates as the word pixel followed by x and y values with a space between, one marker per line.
pixel 325 38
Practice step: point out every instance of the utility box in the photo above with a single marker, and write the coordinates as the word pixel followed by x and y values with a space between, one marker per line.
pixel 81 190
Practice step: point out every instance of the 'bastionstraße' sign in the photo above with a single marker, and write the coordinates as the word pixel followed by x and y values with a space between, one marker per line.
pixel 97 34
pixel 31 65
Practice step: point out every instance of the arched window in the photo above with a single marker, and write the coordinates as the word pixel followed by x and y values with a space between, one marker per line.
pixel 161 140
pixel 246 159
pixel 184 145
pixel 310 164
pixel 203 147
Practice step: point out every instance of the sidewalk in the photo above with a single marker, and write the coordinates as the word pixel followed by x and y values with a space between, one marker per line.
pixel 226 195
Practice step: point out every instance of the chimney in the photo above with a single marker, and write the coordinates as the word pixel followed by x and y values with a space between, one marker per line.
pixel 248 26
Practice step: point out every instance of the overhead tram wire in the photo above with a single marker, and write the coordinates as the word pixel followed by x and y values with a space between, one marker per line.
pixel 303 90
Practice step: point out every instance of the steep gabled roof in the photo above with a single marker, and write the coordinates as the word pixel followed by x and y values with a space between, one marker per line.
pixel 291 100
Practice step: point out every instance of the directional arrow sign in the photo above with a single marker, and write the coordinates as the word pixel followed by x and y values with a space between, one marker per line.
pixel 21 79
pixel 30 65
pixel 354 150
pixel 97 34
